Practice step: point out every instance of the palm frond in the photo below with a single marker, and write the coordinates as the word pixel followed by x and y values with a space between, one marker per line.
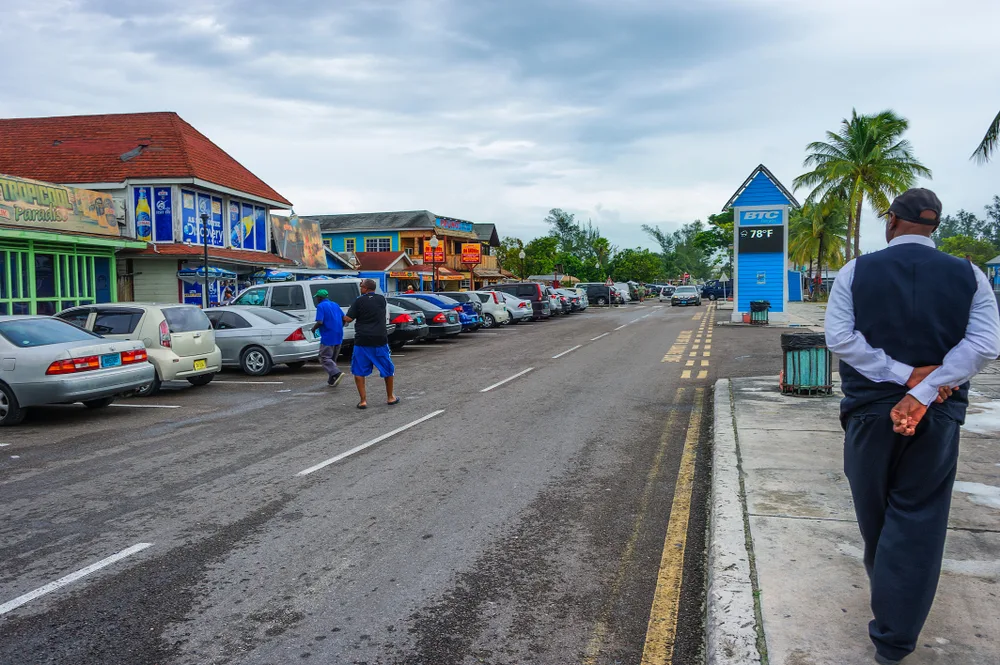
pixel 988 146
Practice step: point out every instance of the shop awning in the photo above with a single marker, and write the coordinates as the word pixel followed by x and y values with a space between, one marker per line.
pixel 192 275
pixel 443 273
pixel 20 233
pixel 487 272
pixel 241 257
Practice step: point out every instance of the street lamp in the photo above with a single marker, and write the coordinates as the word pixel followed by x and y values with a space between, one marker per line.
pixel 521 256
pixel 204 240
pixel 434 242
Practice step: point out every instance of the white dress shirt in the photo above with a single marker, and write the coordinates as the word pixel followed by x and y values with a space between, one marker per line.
pixel 980 345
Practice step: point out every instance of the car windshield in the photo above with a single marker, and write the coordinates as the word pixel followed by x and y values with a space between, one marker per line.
pixel 186 319
pixel 274 316
pixel 342 293
pixel 682 290
pixel 446 300
pixel 25 333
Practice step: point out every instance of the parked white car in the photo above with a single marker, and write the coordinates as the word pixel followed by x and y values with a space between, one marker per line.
pixel 623 289
pixel 518 308
pixel 178 338
pixel 47 361
pixel 494 311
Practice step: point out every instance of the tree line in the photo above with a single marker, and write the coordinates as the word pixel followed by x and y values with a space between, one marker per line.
pixel 581 250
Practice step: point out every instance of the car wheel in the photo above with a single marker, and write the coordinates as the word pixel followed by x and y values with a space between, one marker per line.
pixel 489 321
pixel 602 301
pixel 297 365
pixel 202 380
pixel 255 361
pixel 99 403
pixel 150 388
pixel 711 297
pixel 11 412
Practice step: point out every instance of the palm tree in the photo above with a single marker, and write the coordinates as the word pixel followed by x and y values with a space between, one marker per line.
pixel 989 144
pixel 866 159
pixel 819 231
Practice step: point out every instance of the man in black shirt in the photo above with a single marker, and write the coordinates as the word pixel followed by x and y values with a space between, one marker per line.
pixel 371 343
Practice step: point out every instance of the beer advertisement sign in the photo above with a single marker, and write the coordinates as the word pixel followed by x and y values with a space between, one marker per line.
pixel 471 252
pixel 42 205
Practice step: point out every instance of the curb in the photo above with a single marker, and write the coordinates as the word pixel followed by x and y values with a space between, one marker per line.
pixel 731 622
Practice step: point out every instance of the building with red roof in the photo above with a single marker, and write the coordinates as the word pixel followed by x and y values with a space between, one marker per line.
pixel 167 182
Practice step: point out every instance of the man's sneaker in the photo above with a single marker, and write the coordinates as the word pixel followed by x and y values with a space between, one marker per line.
pixel 332 380
pixel 335 380
pixel 882 660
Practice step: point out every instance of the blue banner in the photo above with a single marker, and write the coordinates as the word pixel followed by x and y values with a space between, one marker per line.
pixel 204 208
pixel 163 214
pixel 215 228
pixel 260 229
pixel 248 225
pixel 143 213
pixel 235 226
pixel 189 215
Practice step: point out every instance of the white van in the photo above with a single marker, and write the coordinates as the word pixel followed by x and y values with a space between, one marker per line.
pixel 298 299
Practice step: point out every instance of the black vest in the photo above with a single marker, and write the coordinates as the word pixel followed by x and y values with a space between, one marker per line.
pixel 913 302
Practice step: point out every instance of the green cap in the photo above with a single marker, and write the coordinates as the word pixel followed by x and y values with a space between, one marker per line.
pixel 322 293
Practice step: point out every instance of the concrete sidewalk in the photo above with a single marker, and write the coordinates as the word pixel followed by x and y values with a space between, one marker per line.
pixel 778 483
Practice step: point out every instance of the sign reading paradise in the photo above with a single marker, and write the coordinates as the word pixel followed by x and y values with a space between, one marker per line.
pixel 472 252
pixel 43 205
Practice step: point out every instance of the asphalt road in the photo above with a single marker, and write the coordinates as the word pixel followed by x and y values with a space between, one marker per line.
pixel 523 524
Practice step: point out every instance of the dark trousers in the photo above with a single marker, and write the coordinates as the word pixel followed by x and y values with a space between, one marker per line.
pixel 902 494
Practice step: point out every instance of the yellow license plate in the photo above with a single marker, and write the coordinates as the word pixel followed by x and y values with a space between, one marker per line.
pixel 200 364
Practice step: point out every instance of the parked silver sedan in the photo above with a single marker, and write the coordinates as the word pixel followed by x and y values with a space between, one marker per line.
pixel 520 310
pixel 257 338
pixel 45 360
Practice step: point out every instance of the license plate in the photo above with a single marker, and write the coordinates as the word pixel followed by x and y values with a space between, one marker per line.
pixel 111 360
pixel 200 364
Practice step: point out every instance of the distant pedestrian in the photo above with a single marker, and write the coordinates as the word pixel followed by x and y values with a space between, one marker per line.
pixel 371 343
pixel 911 325
pixel 409 289
pixel 330 324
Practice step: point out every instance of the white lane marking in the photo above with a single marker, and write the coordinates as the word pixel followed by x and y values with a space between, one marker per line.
pixel 369 444
pixel 567 351
pixel 397 355
pixel 253 383
pixel 148 406
pixel 72 577
pixel 497 385
pixel 594 339
pixel 285 390
pixel 621 326
pixel 7 444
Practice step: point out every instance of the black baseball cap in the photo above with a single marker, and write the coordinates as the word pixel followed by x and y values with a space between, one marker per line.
pixel 908 206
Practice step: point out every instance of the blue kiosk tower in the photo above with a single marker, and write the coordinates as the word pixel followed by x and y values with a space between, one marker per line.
pixel 760 244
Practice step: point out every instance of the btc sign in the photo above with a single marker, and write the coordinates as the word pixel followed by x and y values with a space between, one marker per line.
pixel 760 217
pixel 471 252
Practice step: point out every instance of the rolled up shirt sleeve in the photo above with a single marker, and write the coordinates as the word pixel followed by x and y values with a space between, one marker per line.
pixel 980 345
pixel 849 344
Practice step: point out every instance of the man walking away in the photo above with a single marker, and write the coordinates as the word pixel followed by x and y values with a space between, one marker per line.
pixel 911 326
pixel 371 344
pixel 330 323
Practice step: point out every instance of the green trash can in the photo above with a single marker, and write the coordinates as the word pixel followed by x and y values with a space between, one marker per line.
pixel 808 365
pixel 758 312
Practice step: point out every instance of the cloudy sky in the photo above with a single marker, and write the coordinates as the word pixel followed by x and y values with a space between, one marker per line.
pixel 627 112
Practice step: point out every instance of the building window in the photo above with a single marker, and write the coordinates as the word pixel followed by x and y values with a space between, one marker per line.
pixel 328 242
pixel 378 244
pixel 410 251
pixel 466 284
pixel 350 244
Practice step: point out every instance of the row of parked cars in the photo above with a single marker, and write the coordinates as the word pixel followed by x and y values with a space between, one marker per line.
pixel 94 353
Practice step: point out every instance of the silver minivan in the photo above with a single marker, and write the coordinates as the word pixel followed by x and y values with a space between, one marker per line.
pixel 298 299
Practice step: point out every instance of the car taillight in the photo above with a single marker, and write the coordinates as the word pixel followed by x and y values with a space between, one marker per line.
pixel 563 298
pixel 496 298
pixel 458 308
pixel 523 305
pixel 132 357
pixel 164 334
pixel 403 318
pixel 440 318
pixel 74 365
pixel 296 336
